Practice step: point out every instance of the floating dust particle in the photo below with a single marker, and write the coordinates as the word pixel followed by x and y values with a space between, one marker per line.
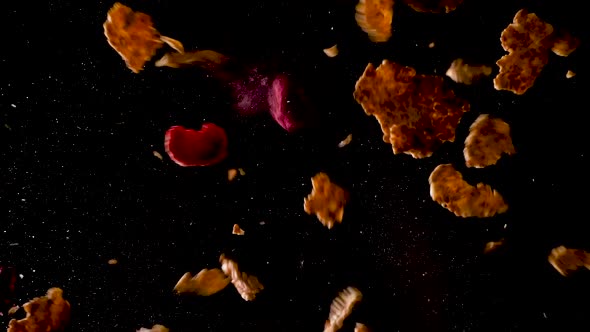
pixel 331 51
pixel 570 74
pixel 345 141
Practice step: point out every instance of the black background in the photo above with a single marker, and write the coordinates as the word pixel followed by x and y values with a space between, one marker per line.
pixel 80 184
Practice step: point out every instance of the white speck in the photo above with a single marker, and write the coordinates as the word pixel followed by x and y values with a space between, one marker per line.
pixel 21 276
pixel 331 28
pixel 262 223
pixel 533 179
pixel 33 271
pixel 545 315
pixel 13 105
pixel 24 200
pixel 13 244
pixel 288 101
pixel 505 225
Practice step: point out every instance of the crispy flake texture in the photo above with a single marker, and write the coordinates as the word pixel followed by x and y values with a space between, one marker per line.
pixel 375 17
pixel 155 328
pixel 49 313
pixel 237 230
pixel 205 283
pixel 331 51
pixel 464 73
pixel 360 327
pixel 327 200
pixel 488 138
pixel 566 260
pixel 528 40
pixel 417 113
pixel 247 286
pixel 448 188
pixel 433 6
pixel 341 308
pixel 205 59
pixel 493 246
pixel 132 35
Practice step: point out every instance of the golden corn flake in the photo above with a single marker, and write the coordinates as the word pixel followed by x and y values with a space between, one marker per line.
pixel 448 188
pixel 49 313
pixel 570 74
pixel 417 113
pixel 205 283
pixel 461 72
pixel 341 308
pixel 237 230
pixel 359 327
pixel 528 41
pixel 433 6
pixel 326 201
pixel 231 174
pixel 205 59
pixel 488 138
pixel 345 141
pixel 331 51
pixel 248 286
pixel 566 260
pixel 375 17
pixel 155 328
pixel 493 246
pixel 133 36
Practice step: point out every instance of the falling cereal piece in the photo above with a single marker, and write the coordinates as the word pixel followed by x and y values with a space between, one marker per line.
pixel 205 283
pixel 493 246
pixel 341 308
pixel 375 17
pixel 488 139
pixel 231 174
pixel 326 201
pixel 360 327
pixel 237 230
pixel 417 113
pixel 431 45
pixel 158 155
pixel 567 261
pixel 461 72
pixel 570 74
pixel 331 51
pixel 155 328
pixel 242 172
pixel 113 262
pixel 248 286
pixel 205 59
pixel 528 40
pixel 133 36
pixel 448 188
pixel 345 141
pixel 50 313
pixel 433 6
pixel 175 44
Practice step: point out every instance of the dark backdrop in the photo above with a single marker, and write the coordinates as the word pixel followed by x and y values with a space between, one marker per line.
pixel 80 184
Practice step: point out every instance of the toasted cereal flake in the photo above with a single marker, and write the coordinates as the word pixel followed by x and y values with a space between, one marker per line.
pixel 331 51
pixel 360 327
pixel 570 74
pixel 417 113
pixel 231 174
pixel 488 139
pixel 155 328
pixel 375 17
pixel 205 283
pixel 461 72
pixel 326 201
pixel 448 188
pixel 113 261
pixel 237 230
pixel 566 261
pixel 50 313
pixel 493 246
pixel 248 286
pixel 345 141
pixel 341 308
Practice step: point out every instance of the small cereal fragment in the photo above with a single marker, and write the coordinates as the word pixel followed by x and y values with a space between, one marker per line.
pixel 431 45
pixel 493 246
pixel 237 230
pixel 331 51
pixel 488 138
pixel 341 308
pixel 570 74
pixel 205 59
pixel 417 113
pixel 345 141
pixel 175 44
pixel 132 35
pixel 242 172
pixel 50 313
pixel 158 155
pixel 433 6
pixel 448 188
pixel 205 283
pixel 462 72
pixel 360 327
pixel 155 328
pixel 248 286
pixel 375 17
pixel 528 40
pixel 564 43
pixel 231 174
pixel 13 310
pixel 113 262
pixel 327 200
pixel 567 261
